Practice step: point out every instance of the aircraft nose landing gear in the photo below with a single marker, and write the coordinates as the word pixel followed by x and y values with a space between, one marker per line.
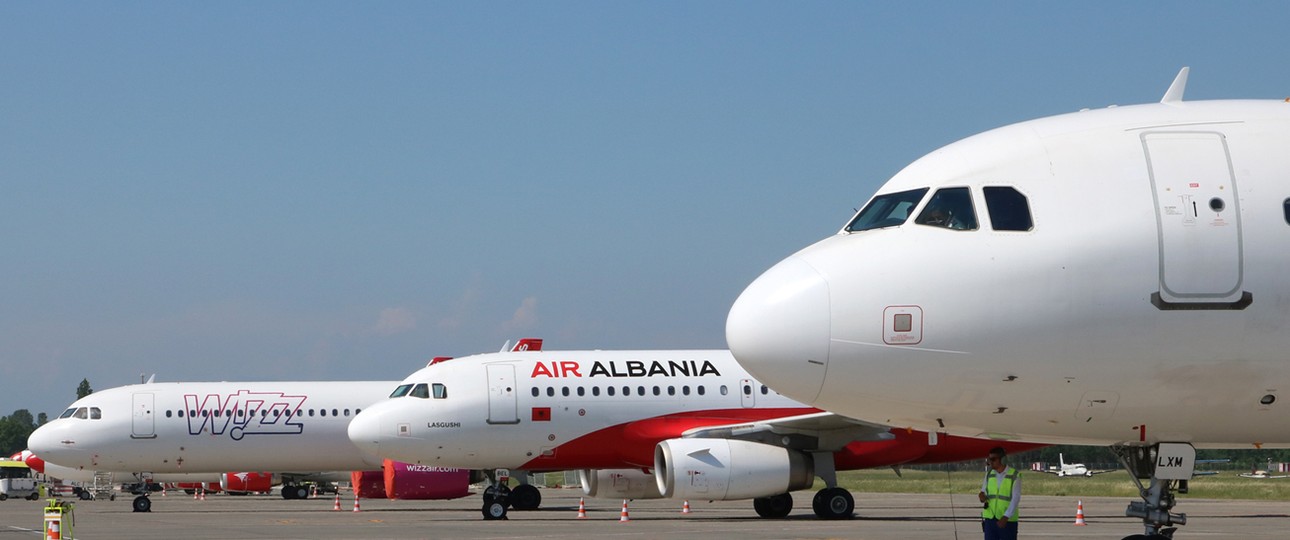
pixel 1168 466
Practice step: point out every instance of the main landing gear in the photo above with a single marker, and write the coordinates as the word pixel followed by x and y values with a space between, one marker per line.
pixel 832 502
pixel 1168 466
pixel 141 489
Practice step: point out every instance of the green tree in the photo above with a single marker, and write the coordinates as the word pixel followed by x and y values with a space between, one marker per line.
pixel 84 389
pixel 14 430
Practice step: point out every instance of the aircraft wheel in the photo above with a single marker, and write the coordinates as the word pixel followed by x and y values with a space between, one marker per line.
pixel 833 503
pixel 494 509
pixel 142 504
pixel 525 497
pixel 288 491
pixel 302 492
pixel 774 507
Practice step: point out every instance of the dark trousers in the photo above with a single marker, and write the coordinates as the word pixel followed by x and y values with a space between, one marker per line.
pixel 992 531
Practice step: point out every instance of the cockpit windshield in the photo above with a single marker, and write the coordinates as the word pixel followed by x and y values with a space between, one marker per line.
pixel 888 210
pixel 401 391
pixel 421 391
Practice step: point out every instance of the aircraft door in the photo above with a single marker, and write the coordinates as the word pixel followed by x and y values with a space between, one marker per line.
pixel 1199 221
pixel 502 407
pixel 747 393
pixel 143 423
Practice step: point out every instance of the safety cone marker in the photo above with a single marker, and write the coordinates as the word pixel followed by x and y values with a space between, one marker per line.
pixel 685 508
pixel 336 507
pixel 1079 513
pixel 196 494
pixel 582 509
pixel 356 502
pixel 624 517
pixel 201 494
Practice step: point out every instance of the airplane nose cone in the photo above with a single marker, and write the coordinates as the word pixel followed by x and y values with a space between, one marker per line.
pixel 778 329
pixel 365 431
pixel 44 441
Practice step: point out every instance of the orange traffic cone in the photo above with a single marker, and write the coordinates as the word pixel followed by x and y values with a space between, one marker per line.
pixel 685 508
pixel 336 507
pixel 582 509
pixel 356 502
pixel 624 517
pixel 201 494
pixel 197 494
pixel 1079 513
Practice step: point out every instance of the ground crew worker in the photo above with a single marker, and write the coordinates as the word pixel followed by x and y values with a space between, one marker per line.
pixel 1001 495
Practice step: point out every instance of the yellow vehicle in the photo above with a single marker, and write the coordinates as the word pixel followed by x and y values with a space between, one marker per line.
pixel 16 480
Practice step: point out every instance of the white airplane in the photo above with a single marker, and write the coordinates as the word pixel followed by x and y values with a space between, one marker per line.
pixel 699 421
pixel 199 431
pixel 1071 469
pixel 1105 277
pixel 1263 474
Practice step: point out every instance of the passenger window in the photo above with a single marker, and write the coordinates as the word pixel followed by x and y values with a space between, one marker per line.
pixel 217 413
pixel 656 391
pixel 699 389
pixel 421 390
pixel 322 412
pixel 346 412
pixel 1285 207
pixel 723 390
pixel 627 390
pixel 685 390
pixel 535 391
pixel 334 412
pixel 609 390
pixel 564 391
pixel 95 413
pixel 181 413
pixel 581 391
pixel 671 390
pixel 1010 211
pixel 764 390
pixel 550 391
pixel 311 413
pixel 640 390
pixel 168 413
pixel 440 391
pixel 888 210
pixel 595 390
pixel 401 391
pixel 949 208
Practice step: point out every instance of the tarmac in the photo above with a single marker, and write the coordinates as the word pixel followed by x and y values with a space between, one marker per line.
pixel 878 516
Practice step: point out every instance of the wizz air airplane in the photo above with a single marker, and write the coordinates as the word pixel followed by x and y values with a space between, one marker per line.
pixel 1105 277
pixel 199 431
pixel 703 426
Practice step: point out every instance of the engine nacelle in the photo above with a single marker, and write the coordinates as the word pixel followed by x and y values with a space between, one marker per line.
pixel 619 484
pixel 408 481
pixel 246 482
pixel 725 469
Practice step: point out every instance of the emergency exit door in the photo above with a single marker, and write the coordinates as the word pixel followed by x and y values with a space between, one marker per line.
pixel 501 394
pixel 1198 221
pixel 143 424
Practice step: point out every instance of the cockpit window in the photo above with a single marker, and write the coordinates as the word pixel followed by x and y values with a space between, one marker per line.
pixel 440 391
pixel 421 391
pixel 950 208
pixel 887 210
pixel 68 413
pixel 1009 209
pixel 82 413
pixel 401 391
pixel 96 413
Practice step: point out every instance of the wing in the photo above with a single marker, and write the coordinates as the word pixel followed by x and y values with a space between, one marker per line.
pixel 815 432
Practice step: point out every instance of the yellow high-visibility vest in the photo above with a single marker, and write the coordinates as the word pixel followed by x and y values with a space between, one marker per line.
pixel 998 497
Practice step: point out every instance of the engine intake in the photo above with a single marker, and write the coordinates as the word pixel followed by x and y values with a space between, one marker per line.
pixel 727 469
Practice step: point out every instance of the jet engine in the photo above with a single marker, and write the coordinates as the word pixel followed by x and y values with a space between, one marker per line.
pixel 241 483
pixel 725 469
pixel 619 484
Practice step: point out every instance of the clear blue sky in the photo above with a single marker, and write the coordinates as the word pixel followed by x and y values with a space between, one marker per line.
pixel 318 190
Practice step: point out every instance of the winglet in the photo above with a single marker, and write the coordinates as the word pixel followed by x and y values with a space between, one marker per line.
pixel 1175 92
